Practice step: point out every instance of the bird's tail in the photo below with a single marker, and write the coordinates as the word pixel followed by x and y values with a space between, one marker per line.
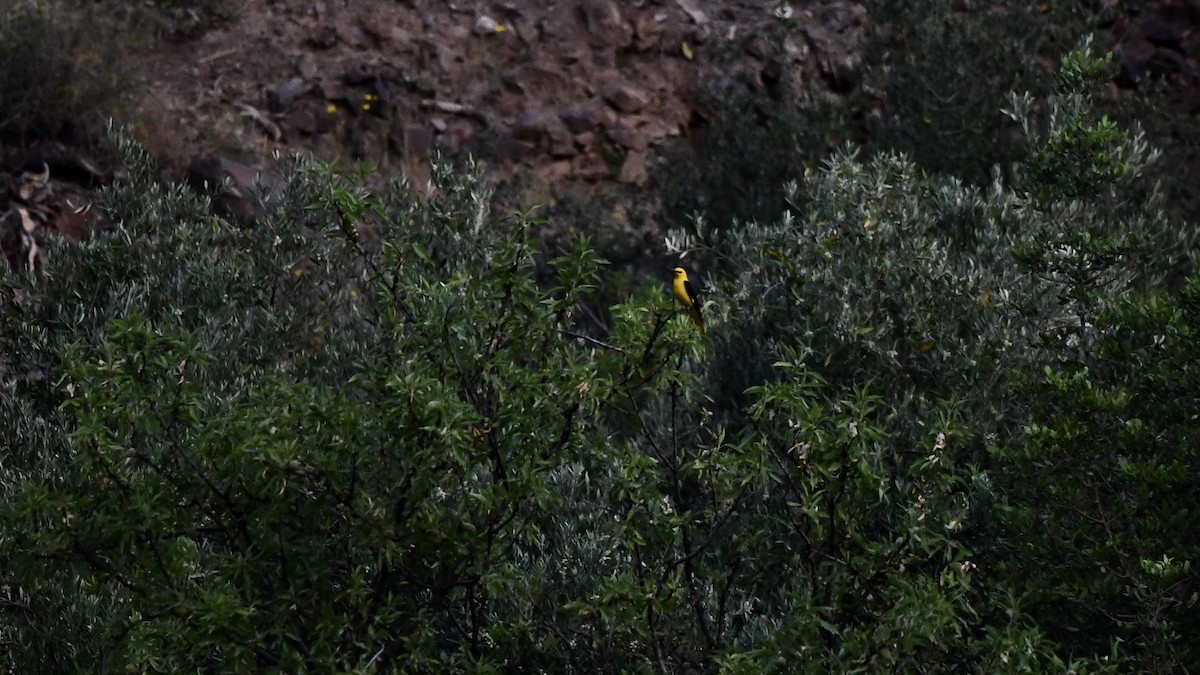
pixel 695 312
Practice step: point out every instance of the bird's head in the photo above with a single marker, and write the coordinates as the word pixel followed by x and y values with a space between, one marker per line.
pixel 678 272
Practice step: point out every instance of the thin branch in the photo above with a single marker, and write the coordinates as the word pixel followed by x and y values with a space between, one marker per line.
pixel 588 338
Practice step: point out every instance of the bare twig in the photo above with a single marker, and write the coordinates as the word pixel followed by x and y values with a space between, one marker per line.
pixel 217 55
pixel 451 108
pixel 255 114
pixel 588 338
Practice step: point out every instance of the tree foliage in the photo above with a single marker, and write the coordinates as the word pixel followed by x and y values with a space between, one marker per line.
pixel 933 427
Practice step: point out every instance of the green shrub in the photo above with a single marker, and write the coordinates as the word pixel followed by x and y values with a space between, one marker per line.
pixel 942 299
pixel 58 70
pixel 293 447
pixel 278 448
pixel 933 78
pixel 1100 485
pixel 943 71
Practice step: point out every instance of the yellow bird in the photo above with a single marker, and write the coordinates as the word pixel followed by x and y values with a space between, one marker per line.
pixel 687 295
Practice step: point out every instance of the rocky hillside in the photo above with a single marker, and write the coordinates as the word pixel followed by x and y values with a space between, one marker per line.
pixel 561 100
pixel 578 92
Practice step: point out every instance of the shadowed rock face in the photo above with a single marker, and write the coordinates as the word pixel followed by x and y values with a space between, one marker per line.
pixel 1162 44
